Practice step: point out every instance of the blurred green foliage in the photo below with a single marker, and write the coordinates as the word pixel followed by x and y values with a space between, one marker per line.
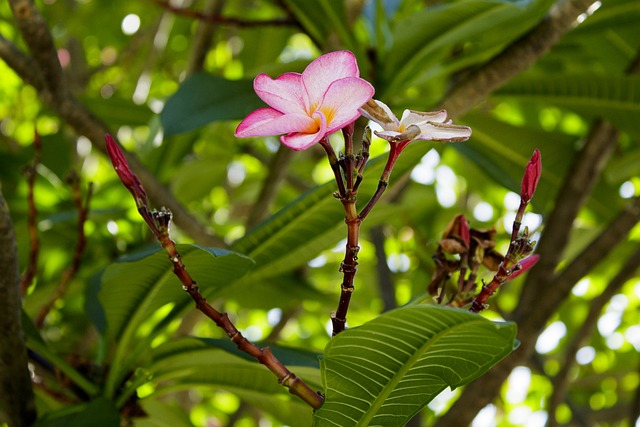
pixel 178 114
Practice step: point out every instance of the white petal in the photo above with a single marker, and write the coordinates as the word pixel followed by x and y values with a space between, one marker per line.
pixel 378 112
pixel 444 132
pixel 410 117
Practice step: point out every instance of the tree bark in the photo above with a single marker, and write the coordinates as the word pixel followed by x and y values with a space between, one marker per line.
pixel 16 395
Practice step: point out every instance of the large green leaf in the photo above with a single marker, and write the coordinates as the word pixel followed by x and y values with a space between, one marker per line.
pixel 97 413
pixel 136 286
pixel 205 98
pixel 384 372
pixel 616 98
pixel 187 363
pixel 132 290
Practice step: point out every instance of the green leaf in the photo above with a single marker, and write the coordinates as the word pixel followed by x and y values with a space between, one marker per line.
pixel 205 98
pixel 616 98
pixel 134 289
pixel 187 362
pixel 119 112
pixel 384 372
pixel 97 413
pixel 321 18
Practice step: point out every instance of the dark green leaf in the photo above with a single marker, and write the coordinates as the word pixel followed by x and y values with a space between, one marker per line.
pixel 205 98
pixel 383 372
pixel 97 413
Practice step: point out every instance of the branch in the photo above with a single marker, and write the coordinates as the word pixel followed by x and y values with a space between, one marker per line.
pixel 550 295
pixel 34 241
pixel 515 58
pixel 201 43
pixel 561 380
pixel 159 222
pixel 17 404
pixel 83 213
pixel 223 20
pixel 44 73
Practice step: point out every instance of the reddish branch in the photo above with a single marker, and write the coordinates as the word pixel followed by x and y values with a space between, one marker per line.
pixel 223 20
pixel 83 213
pixel 32 216
pixel 159 222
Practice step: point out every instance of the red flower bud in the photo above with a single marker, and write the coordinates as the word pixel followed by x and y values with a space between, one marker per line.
pixel 523 266
pixel 128 178
pixel 531 177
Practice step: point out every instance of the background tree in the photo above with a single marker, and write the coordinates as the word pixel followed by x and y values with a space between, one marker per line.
pixel 173 79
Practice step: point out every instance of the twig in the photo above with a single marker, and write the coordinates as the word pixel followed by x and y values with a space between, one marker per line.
pixel 158 222
pixel 32 217
pixel 44 66
pixel 217 19
pixel 65 280
pixel 201 43
pixel 561 380
pixel 16 393
pixel 483 390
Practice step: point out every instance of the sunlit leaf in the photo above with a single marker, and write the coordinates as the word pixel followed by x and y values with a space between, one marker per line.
pixel 383 372
pixel 186 363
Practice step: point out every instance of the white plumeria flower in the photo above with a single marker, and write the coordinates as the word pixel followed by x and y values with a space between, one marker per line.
pixel 430 126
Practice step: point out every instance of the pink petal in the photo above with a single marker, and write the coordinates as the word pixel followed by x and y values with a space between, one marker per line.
pixel 285 94
pixel 319 75
pixel 269 122
pixel 342 100
pixel 444 132
pixel 302 141
pixel 410 117
pixel 380 113
pixel 531 177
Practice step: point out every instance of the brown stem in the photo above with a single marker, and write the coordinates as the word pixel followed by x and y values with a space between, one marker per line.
pixel 335 166
pixel 217 19
pixel 263 355
pixel 65 280
pixel 561 380
pixel 32 216
pixel 16 393
pixel 348 267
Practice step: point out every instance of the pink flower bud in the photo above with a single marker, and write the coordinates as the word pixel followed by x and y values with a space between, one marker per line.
pixel 523 266
pixel 128 178
pixel 531 177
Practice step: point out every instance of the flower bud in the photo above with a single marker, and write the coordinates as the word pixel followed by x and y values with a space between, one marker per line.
pixel 531 177
pixel 128 178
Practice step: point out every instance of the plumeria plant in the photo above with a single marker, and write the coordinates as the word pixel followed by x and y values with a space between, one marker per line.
pixel 384 371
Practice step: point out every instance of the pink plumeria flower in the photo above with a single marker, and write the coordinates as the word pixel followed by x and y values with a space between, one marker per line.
pixel 531 177
pixel 523 266
pixel 304 108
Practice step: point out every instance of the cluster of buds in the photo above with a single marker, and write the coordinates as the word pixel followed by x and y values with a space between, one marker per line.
pixel 463 250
